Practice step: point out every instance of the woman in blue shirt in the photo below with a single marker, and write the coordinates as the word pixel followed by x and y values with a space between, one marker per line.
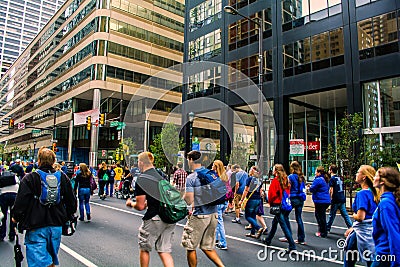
pixel 254 191
pixel 365 203
pixel 386 219
pixel 322 200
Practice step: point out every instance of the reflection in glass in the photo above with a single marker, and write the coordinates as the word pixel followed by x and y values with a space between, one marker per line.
pixel 390 102
pixel 320 46
pixel 336 42
pixel 317 5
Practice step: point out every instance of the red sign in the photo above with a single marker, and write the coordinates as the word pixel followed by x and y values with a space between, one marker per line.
pixel 314 145
pixel 103 153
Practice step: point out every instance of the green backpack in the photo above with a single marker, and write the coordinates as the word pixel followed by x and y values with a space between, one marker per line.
pixel 172 207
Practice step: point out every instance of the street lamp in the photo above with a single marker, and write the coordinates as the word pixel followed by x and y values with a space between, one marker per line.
pixel 191 119
pixel 259 22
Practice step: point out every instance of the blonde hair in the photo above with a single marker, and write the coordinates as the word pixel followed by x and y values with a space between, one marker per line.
pixel 282 176
pixel 85 170
pixel 391 179
pixel 369 173
pixel 146 157
pixel 221 170
pixel 46 157
pixel 104 165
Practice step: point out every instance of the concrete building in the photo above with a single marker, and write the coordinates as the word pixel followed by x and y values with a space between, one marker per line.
pixel 92 56
pixel 321 58
pixel 20 21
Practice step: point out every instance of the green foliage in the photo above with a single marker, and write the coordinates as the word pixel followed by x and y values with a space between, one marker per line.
pixel 239 154
pixel 129 146
pixel 166 146
pixel 349 152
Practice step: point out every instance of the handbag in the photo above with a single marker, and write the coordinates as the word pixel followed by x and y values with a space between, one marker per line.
pixel 275 210
pixel 244 202
pixel 93 185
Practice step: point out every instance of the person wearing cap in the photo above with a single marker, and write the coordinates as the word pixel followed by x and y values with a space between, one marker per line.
pixel 17 168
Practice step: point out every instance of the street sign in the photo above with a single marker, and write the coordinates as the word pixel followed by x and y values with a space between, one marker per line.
pixel 114 123
pixel 36 131
pixel 103 153
pixel 21 126
pixel 196 147
pixel 296 147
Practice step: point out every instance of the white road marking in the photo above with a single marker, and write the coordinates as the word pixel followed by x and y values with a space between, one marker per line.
pixel 314 257
pixel 80 258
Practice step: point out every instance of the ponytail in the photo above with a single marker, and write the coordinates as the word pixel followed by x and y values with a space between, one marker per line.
pixel 391 180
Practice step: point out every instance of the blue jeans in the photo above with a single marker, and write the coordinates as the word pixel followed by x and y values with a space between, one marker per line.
pixel 111 184
pixel 250 214
pixel 7 201
pixel 42 246
pixel 343 212
pixel 297 205
pixel 282 219
pixel 84 196
pixel 220 230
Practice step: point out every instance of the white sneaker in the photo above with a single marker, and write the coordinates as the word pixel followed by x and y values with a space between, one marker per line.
pixel 283 239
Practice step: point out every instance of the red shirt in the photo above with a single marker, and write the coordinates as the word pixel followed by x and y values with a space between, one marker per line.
pixel 275 192
pixel 180 179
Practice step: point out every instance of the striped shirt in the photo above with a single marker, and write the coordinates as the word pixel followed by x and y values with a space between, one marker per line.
pixel 180 179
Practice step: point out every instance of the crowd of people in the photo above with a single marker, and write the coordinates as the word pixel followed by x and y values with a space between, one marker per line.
pixel 376 208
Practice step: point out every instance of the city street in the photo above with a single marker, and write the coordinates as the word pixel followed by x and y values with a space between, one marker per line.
pixel 110 239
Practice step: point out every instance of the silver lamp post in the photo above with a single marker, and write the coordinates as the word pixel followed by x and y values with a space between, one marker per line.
pixel 191 119
pixel 259 23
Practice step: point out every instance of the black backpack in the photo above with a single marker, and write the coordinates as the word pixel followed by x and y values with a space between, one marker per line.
pixel 7 178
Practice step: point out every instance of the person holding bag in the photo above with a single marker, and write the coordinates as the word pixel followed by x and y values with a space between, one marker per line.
pixel 252 203
pixel 275 196
pixel 102 178
pixel 83 185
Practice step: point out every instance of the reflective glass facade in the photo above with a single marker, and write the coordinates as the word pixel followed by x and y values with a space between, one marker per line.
pixel 321 57
pixel 20 21
pixel 89 51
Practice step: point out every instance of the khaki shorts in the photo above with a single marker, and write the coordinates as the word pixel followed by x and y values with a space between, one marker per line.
pixel 200 232
pixel 156 232
pixel 236 200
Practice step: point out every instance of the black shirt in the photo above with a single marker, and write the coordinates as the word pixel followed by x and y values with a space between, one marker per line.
pixel 149 187
pixel 82 181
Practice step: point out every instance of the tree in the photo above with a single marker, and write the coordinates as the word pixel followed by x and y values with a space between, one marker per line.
pixel 239 154
pixel 166 147
pixel 350 151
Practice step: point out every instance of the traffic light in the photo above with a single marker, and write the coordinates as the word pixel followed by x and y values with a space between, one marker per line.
pixel 88 123
pixel 102 118
pixel 11 124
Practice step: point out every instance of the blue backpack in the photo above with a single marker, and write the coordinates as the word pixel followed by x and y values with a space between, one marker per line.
pixel 213 189
pixel 51 185
pixel 286 204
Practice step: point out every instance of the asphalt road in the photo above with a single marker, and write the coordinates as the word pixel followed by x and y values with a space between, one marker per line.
pixel 110 239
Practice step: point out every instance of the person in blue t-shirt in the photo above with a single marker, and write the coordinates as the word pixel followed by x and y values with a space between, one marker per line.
pixel 254 191
pixel 364 205
pixel 201 225
pixel 386 219
pixel 338 199
pixel 321 198
pixel 241 178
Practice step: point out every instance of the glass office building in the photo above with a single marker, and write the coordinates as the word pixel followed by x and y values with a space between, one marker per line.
pixel 93 54
pixel 321 58
pixel 20 21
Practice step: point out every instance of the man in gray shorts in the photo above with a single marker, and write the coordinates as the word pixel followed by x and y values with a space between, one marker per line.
pixel 153 231
pixel 200 227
